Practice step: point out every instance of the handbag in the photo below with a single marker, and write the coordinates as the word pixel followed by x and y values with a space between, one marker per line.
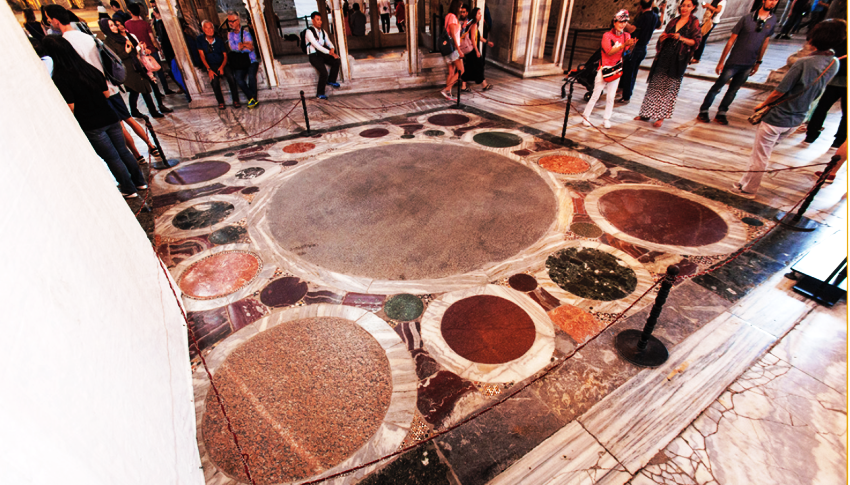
pixel 760 113
pixel 238 60
pixel 149 63
pixel 707 23
pixel 612 73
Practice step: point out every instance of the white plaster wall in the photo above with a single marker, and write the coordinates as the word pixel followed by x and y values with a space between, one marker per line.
pixel 94 369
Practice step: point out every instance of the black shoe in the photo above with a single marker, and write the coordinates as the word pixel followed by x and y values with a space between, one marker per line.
pixel 165 109
pixel 137 114
pixel 168 91
pixel 157 114
pixel 721 119
pixel 703 117
pixel 622 101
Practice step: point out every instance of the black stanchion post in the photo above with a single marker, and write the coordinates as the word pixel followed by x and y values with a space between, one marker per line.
pixel 641 348
pixel 164 162
pixel 796 223
pixel 304 106
pixel 567 112
pixel 459 84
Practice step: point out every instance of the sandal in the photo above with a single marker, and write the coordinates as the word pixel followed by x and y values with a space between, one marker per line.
pixel 237 105
pixel 488 87
pixel 221 106
pixel 466 89
pixel 141 159
pixel 153 152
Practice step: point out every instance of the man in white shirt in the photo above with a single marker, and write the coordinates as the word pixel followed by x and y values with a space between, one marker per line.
pixel 87 49
pixel 320 51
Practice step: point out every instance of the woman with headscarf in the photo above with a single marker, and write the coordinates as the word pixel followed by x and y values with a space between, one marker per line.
pixel 615 42
pixel 84 89
pixel 675 48
pixel 137 80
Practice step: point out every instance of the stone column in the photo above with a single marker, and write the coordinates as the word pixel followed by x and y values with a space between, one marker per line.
pixel 168 11
pixel 256 10
pixel 532 31
pixel 564 19
pixel 341 41
pixel 411 8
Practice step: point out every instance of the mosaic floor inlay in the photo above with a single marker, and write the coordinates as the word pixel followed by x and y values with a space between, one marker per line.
pixel 202 215
pixel 404 308
pixel 219 275
pixel 564 164
pixel 197 172
pixel 590 273
pixel 487 329
pixel 283 292
pixel 323 392
pixel 495 139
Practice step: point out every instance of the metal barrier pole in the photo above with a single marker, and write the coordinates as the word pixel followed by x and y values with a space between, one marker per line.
pixel 567 112
pixel 304 106
pixel 797 223
pixel 164 163
pixel 641 348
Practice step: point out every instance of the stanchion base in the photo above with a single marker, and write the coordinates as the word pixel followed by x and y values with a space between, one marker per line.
pixel 653 355
pixel 803 225
pixel 160 165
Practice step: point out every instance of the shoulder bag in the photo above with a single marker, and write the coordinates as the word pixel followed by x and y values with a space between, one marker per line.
pixel 760 113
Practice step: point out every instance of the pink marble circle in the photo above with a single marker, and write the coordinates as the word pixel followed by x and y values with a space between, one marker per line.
pixel 219 275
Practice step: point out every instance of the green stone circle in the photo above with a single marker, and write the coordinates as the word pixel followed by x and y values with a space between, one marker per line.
pixel 404 307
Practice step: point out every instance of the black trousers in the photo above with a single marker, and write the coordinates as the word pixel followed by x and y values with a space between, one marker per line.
pixel 385 23
pixel 231 84
pixel 829 97
pixel 318 60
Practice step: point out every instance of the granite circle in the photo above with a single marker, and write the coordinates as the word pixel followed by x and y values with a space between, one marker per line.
pixel 374 133
pixel 433 133
pixel 522 282
pixel 448 119
pixel 459 209
pixel 408 137
pixel 250 173
pixel 586 229
pixel 219 274
pixel 202 215
pixel 284 291
pixel 487 329
pixel 591 273
pixel 497 139
pixel 323 392
pixel 300 147
pixel 197 172
pixel 564 164
pixel 404 307
pixel 662 218
pixel 250 190
pixel 752 221
pixel 228 234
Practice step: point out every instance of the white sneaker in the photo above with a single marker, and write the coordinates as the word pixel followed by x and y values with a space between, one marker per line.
pixel 586 123
pixel 606 124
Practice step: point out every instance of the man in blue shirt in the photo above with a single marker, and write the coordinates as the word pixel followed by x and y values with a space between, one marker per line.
pixel 645 24
pixel 805 81
pixel 748 42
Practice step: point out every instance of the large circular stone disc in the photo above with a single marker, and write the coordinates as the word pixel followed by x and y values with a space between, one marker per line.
pixel 302 397
pixel 411 211
pixel 662 218
pixel 487 329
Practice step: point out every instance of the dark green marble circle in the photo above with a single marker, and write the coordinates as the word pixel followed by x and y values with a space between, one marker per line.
pixel 586 229
pixel 591 273
pixel 497 139
pixel 404 307
pixel 202 215
pixel 227 235
pixel 752 221
pixel 407 137
pixel 434 133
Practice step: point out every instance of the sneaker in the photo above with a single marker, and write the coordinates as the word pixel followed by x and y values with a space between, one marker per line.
pixel 333 85
pixel 586 123
pixel 448 96
pixel 721 118
pixel 130 196
pixel 622 101
pixel 703 116
pixel 142 187
pixel 321 96
pixel 606 124
pixel 737 190
pixel 252 103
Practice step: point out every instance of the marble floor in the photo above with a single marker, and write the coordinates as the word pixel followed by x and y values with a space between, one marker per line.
pixel 366 321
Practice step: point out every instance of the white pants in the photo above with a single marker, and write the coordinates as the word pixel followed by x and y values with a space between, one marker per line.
pixel 767 137
pixel 597 91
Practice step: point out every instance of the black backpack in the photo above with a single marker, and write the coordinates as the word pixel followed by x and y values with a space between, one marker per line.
pixel 304 38
pixel 113 67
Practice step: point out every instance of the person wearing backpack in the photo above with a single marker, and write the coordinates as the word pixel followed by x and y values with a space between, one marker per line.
pixel 320 51
pixel 448 44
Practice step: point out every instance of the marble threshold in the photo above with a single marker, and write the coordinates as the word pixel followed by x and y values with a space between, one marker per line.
pixel 618 436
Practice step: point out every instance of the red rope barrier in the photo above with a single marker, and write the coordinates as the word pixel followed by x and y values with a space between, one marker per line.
pixel 235 139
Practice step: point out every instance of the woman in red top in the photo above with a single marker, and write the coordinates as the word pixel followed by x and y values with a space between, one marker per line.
pixel 455 59
pixel 614 43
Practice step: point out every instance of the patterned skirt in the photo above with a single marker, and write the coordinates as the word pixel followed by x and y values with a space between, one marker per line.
pixel 661 90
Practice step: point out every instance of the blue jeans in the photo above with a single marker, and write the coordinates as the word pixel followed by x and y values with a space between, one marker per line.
pixel 247 80
pixel 739 75
pixel 108 142
pixel 631 65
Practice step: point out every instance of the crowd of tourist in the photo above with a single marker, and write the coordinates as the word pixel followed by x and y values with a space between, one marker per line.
pixel 139 44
